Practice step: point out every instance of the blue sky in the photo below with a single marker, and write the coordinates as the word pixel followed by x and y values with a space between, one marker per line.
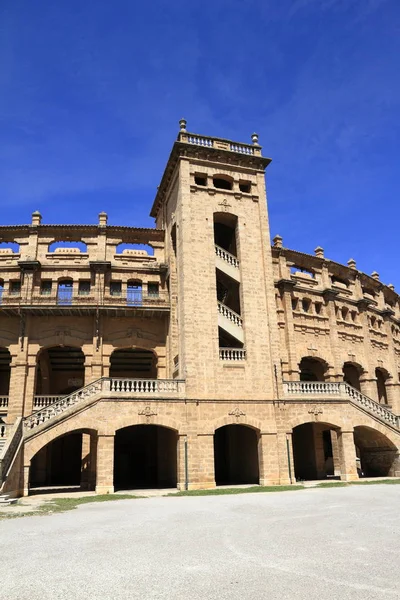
pixel 91 93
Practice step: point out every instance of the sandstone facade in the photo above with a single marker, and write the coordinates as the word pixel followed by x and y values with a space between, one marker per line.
pixel 193 354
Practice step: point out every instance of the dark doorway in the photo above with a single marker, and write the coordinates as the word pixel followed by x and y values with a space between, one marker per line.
pixel 378 455
pixel 315 452
pixel 58 463
pixel 236 455
pixel 145 456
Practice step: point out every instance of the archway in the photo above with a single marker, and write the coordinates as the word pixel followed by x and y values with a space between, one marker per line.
pixel 315 451
pixel 351 375
pixel 59 463
pixel 378 456
pixel 145 456
pixel 60 370
pixel 236 455
pixel 5 371
pixel 312 369
pixel 133 363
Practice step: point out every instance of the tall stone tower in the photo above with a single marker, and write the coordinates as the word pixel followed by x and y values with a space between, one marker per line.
pixel 212 204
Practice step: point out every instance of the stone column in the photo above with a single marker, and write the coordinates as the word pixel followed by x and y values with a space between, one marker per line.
pixel 393 395
pixel 368 386
pixel 30 385
pixel 201 465
pixel 335 453
pixel 285 458
pixel 26 480
pixel 183 458
pixel 347 456
pixel 105 464
pixel 268 459
pixel 319 452
pixel 22 384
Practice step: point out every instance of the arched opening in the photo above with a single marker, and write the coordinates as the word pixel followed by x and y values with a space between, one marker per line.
pixel 236 455
pixel 1 289
pixel 59 463
pixel 64 292
pixel 60 371
pixel 5 371
pixel 225 226
pixel 133 363
pixel 381 377
pixel 223 182
pixel 135 249
pixel 134 293
pixel 145 456
pixel 351 375
pixel 312 369
pixel 378 456
pixel 315 451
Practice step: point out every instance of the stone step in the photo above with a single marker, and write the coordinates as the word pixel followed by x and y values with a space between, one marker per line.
pixel 5 500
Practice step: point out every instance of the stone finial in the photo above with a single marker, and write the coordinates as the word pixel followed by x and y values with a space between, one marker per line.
pixel 375 275
pixel 277 241
pixel 319 252
pixel 254 139
pixel 103 218
pixel 182 125
pixel 36 218
pixel 352 263
pixel 391 287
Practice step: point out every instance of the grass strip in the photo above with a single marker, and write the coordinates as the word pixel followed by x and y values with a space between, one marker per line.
pixel 250 490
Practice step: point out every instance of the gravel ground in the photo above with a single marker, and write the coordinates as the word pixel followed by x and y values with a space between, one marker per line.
pixel 317 543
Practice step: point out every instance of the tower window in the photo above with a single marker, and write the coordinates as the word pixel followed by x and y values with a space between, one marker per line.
pixel 200 179
pixel 223 182
pixel 245 186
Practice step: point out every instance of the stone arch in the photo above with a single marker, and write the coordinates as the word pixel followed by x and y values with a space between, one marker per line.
pixel 315 450
pixel 313 368
pixel 352 372
pixel 129 420
pixel 60 370
pixel 236 454
pixel 377 453
pixel 145 456
pixel 134 362
pixel 233 420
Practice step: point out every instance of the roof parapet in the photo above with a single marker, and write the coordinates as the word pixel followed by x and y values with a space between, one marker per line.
pixel 184 136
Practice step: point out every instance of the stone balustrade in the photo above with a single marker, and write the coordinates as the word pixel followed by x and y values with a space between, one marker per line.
pixel 242 148
pixel 318 389
pixel 226 256
pixel 41 401
pixel 107 387
pixel 3 401
pixel 230 314
pixel 232 354
pixel 200 140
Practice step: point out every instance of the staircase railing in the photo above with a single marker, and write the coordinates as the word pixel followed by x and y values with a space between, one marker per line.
pixel 341 389
pixel 226 256
pixel 8 452
pixel 230 314
pixel 58 407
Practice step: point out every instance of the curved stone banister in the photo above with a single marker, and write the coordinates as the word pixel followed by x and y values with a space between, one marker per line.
pixel 231 259
pixel 58 407
pixel 230 314
pixel 342 390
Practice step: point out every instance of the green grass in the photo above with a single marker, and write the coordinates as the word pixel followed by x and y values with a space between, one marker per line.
pixel 332 484
pixel 58 505
pixel 250 490
pixel 379 481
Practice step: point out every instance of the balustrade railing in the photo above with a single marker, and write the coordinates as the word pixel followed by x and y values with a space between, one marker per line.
pixel 242 148
pixel 226 256
pixel 3 401
pixel 52 406
pixel 144 300
pixel 199 140
pixel 342 390
pixel 228 313
pixel 232 354
pixel 41 401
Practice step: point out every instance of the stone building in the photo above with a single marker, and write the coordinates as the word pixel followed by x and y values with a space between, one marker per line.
pixel 192 354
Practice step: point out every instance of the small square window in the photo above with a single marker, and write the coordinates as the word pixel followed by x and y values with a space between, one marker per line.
pixel 45 287
pixel 245 187
pixel 200 179
pixel 153 290
pixel 115 288
pixel 15 288
pixel 84 288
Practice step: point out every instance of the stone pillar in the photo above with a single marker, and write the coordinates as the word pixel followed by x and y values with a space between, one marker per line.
pixel 201 464
pixel 30 385
pixel 319 452
pixel 347 456
pixel 105 464
pixel 393 396
pixel 26 480
pixel 183 458
pixel 22 384
pixel 335 453
pixel 285 458
pixel 368 386
pixel 85 462
pixel 268 459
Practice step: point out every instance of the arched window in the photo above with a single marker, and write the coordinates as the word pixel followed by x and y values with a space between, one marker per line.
pixel 381 377
pixel 64 292
pixel 223 182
